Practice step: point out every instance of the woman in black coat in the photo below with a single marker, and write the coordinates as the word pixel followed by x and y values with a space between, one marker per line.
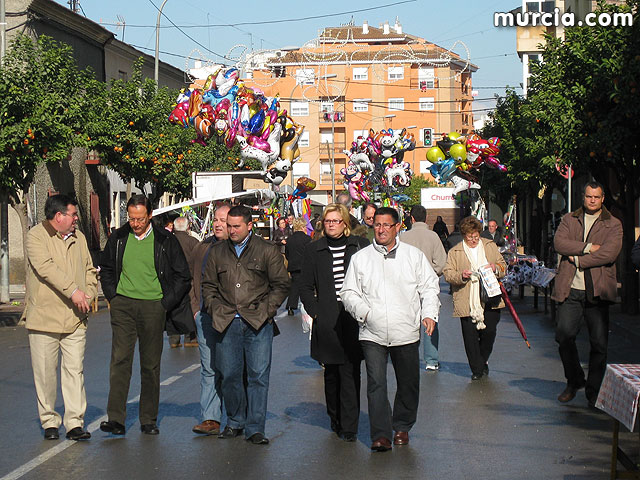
pixel 334 335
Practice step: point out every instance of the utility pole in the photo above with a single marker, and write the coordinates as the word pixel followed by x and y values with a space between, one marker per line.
pixel 4 199
pixel 157 60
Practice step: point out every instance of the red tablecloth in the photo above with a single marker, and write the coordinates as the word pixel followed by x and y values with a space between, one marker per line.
pixel 620 392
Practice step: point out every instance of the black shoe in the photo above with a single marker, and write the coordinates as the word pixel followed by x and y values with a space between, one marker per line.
pixel 78 434
pixel 149 429
pixel 485 370
pixel 290 312
pixel 257 439
pixel 112 427
pixel 335 427
pixel 51 433
pixel 349 437
pixel 229 432
pixel 476 376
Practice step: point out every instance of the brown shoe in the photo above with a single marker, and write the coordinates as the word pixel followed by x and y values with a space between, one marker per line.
pixel 208 427
pixel 401 438
pixel 381 445
pixel 191 343
pixel 568 394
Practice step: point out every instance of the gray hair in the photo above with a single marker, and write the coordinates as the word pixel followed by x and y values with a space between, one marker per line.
pixel 181 224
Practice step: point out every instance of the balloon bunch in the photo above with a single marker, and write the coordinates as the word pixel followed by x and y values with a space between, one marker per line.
pixel 303 185
pixel 376 163
pixel 456 154
pixel 230 112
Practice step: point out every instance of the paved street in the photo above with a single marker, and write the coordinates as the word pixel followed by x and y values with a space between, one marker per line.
pixel 506 426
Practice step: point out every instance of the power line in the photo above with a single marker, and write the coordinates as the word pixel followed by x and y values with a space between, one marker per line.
pixel 187 35
pixel 270 22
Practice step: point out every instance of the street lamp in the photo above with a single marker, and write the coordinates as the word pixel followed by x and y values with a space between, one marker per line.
pixel 155 70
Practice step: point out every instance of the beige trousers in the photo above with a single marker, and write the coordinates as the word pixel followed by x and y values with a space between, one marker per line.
pixel 45 352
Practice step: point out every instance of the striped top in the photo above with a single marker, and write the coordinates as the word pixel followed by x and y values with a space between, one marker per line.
pixel 338 247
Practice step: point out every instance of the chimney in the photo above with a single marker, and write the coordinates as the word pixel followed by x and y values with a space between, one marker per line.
pixel 397 27
pixel 365 28
pixel 385 28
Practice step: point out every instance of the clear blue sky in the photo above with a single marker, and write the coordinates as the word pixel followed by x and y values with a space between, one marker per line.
pixel 442 22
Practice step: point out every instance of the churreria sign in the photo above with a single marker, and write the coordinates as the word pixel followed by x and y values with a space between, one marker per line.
pixel 557 18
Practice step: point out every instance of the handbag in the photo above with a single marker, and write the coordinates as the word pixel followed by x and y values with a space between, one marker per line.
pixel 486 300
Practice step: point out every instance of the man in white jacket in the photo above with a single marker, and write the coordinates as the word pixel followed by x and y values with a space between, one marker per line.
pixel 390 289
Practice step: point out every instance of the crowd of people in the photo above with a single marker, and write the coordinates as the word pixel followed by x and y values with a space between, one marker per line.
pixel 372 295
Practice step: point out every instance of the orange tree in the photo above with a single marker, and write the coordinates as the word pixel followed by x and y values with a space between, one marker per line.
pixel 45 102
pixel 130 131
pixel 583 107
pixel 45 106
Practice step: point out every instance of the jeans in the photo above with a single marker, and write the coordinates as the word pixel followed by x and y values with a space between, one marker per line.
pixel 238 344
pixel 430 346
pixel 596 316
pixel 406 365
pixel 210 398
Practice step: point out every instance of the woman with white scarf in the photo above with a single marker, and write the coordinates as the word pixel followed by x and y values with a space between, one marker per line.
pixel 479 322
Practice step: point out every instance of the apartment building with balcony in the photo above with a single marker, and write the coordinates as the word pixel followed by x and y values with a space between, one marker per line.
pixel 353 78
pixel 529 39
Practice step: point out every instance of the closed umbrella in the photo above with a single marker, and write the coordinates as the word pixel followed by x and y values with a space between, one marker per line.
pixel 514 315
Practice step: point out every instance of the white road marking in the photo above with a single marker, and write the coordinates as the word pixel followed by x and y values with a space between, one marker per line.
pixel 169 381
pixel 190 369
pixel 92 427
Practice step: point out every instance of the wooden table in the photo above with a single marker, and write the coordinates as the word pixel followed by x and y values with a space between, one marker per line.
pixel 619 396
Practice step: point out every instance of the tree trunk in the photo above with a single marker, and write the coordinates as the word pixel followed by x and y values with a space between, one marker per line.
pixel 628 275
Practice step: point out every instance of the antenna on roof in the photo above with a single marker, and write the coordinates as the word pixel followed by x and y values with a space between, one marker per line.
pixel 121 22
pixel 74 5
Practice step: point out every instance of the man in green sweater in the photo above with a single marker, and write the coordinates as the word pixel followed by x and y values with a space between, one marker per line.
pixel 144 275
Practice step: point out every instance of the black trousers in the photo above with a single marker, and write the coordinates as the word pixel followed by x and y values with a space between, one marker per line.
pixel 478 344
pixel 406 365
pixel 342 394
pixel 134 321
pixel 596 315
pixel 294 290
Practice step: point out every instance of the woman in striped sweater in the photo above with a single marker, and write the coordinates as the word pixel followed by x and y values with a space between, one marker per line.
pixel 334 337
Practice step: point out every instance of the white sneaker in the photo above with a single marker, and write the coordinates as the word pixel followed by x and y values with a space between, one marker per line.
pixel 433 367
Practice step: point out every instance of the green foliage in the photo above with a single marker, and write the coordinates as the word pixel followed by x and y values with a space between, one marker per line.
pixel 45 102
pixel 133 137
pixel 418 182
pixel 582 108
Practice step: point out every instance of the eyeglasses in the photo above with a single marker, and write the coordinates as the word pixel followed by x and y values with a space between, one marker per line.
pixel 72 215
pixel 137 220
pixel 384 226
pixel 332 222
pixel 472 238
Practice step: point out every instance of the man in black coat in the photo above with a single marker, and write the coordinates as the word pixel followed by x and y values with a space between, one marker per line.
pixel 144 275
pixel 493 233
pixel 294 252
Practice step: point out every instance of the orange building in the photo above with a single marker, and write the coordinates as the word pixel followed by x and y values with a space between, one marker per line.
pixel 354 78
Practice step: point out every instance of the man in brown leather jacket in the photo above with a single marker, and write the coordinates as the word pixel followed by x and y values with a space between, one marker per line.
pixel 589 241
pixel 244 283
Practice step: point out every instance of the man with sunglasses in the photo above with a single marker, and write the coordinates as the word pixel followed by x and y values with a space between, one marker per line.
pixel 61 282
pixel 144 275
pixel 391 289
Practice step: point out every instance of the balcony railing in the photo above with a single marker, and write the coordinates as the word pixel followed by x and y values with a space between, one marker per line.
pixel 423 85
pixel 338 147
pixel 331 117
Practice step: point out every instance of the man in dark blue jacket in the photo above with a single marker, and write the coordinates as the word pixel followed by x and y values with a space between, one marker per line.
pixel 144 275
